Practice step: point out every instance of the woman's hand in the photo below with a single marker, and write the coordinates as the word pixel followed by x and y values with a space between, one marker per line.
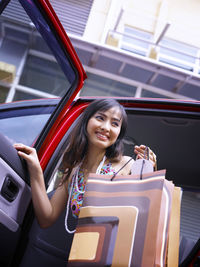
pixel 30 155
pixel 140 152
pixel 47 211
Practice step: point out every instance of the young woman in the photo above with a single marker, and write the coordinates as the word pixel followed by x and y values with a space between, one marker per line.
pixel 95 146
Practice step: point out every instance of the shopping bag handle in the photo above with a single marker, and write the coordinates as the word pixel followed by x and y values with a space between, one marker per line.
pixel 120 169
pixel 146 156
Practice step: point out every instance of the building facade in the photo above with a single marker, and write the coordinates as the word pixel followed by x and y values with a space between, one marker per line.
pixel 132 48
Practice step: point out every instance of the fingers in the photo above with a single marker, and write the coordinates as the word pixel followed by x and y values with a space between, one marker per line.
pixel 30 155
pixel 140 152
pixel 139 156
pixel 23 148
pixel 25 152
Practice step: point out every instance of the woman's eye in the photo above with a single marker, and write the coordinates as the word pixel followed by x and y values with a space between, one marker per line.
pixel 116 124
pixel 99 117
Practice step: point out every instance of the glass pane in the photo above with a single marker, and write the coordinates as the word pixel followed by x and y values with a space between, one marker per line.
pixel 24 96
pixel 183 51
pixel 136 37
pixel 180 54
pixel 42 69
pixel 146 93
pixel 3 94
pixel 100 86
pixel 136 41
pixel 11 33
pixel 44 75
pixel 39 57
pixel 23 129
pixel 12 52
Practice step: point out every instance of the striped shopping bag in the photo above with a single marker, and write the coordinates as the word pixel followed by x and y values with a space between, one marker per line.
pixel 127 222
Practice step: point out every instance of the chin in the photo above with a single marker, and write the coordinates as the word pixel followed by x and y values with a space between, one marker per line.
pixel 102 144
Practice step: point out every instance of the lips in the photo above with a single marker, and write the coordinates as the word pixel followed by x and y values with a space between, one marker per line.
pixel 101 136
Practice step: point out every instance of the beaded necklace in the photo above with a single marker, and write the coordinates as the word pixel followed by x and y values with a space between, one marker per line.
pixel 75 183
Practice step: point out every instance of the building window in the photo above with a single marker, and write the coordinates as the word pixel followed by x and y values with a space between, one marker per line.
pixel 24 96
pixel 44 75
pixel 96 85
pixel 150 94
pixel 178 54
pixel 3 94
pixel 136 41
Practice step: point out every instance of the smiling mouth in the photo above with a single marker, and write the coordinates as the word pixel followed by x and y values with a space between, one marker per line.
pixel 102 137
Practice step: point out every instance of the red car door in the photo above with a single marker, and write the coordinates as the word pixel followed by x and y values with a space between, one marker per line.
pixel 15 195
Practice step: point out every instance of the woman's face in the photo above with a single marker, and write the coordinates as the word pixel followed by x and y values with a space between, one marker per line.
pixel 104 127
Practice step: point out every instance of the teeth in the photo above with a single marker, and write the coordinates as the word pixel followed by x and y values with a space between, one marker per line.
pixel 102 135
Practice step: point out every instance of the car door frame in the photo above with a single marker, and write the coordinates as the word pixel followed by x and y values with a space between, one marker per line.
pixel 42 143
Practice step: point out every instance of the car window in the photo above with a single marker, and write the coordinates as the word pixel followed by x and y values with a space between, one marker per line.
pixel 38 64
pixel 22 121
pixel 23 129
pixel 44 71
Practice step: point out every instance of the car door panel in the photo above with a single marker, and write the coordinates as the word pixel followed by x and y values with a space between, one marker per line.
pixel 15 193
pixel 15 197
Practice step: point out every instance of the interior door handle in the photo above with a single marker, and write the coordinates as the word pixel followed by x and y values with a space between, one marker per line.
pixel 9 189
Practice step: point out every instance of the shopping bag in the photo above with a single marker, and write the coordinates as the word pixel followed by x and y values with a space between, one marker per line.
pixel 141 166
pixel 124 222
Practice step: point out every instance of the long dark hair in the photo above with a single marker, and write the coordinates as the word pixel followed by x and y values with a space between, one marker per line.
pixel 78 139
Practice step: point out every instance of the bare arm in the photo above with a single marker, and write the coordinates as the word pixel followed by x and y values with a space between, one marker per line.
pixel 47 211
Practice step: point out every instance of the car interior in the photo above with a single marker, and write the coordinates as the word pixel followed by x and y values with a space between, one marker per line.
pixel 173 137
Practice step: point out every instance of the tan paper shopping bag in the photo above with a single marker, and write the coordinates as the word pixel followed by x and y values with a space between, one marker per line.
pixel 124 222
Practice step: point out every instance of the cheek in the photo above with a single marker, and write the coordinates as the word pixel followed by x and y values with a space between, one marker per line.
pixel 116 133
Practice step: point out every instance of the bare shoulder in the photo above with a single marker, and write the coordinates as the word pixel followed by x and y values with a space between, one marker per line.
pixel 125 161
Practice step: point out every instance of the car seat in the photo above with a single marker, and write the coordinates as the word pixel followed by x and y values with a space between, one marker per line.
pixel 51 246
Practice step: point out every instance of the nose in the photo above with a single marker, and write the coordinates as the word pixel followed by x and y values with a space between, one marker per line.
pixel 105 125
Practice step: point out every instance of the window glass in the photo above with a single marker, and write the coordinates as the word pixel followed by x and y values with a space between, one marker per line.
pixel 41 69
pixel 23 129
pixel 96 85
pixel 48 69
pixel 12 52
pixel 150 94
pixel 3 93
pixel 44 75
pixel 136 41
pixel 11 33
pixel 38 44
pixel 177 53
pixel 25 96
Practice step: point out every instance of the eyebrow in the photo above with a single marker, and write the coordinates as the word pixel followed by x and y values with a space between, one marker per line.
pixel 113 118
